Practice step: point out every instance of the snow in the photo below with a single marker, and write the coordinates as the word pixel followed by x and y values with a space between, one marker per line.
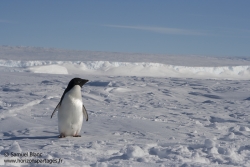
pixel 141 113
pixel 127 69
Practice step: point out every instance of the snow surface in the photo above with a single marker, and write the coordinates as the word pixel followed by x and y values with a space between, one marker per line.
pixel 141 113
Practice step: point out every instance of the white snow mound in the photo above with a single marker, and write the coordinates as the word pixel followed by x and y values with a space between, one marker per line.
pixel 50 69
pixel 134 152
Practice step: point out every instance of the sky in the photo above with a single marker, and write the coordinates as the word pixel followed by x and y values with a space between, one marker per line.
pixel 172 27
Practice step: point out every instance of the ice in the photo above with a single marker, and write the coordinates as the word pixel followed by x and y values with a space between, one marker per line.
pixel 144 110
pixel 128 69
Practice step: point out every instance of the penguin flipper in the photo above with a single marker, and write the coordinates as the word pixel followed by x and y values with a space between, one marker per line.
pixel 85 113
pixel 57 107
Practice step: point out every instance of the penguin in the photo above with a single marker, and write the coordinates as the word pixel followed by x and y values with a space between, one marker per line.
pixel 71 109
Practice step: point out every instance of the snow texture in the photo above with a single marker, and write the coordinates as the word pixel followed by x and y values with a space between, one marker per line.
pixel 140 113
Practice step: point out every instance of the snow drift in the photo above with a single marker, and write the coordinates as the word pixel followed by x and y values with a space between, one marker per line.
pixel 127 69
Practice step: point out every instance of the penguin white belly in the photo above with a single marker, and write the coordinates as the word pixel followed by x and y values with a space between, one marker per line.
pixel 70 115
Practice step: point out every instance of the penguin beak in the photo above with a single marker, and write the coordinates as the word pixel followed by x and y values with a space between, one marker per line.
pixel 84 81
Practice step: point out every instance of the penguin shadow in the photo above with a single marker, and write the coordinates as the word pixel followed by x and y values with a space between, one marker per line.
pixel 32 137
pixel 12 137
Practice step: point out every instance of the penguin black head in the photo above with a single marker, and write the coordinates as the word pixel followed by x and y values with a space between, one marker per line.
pixel 72 83
pixel 76 81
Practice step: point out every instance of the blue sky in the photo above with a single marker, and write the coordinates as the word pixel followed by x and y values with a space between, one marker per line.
pixel 177 27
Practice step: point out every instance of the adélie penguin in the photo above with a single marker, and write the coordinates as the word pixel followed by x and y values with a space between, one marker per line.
pixel 71 109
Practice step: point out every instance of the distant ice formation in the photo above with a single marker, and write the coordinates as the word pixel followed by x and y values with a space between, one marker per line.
pixel 128 69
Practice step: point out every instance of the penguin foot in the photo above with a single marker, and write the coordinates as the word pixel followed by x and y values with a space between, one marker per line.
pixel 77 136
pixel 61 136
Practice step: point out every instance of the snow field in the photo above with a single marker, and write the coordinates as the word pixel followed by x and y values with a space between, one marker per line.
pixel 186 111
pixel 133 120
